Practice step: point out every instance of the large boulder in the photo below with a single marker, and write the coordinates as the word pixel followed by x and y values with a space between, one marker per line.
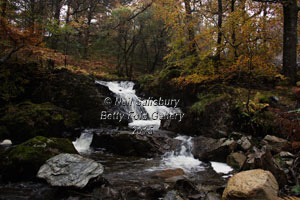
pixel 207 117
pixel 127 143
pixel 27 120
pixel 251 185
pixel 75 92
pixel 24 160
pixel 209 149
pixel 70 170
pixel 236 160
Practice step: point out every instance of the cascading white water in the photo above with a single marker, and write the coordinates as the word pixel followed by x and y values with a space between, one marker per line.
pixel 183 159
pixel 125 92
pixel 82 144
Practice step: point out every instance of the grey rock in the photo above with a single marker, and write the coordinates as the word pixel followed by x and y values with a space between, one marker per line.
pixel 69 170
pixel 212 149
pixel 126 143
pixel 245 143
pixel 172 195
pixel 275 144
pixel 213 196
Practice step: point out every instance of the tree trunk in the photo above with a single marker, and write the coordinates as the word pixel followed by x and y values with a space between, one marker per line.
pixel 57 5
pixel 191 32
pixel 233 36
pixel 220 22
pixel 290 40
pixel 3 8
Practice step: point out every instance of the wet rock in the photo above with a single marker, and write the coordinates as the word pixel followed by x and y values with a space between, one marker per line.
pixel 30 190
pixel 213 196
pixel 172 195
pixel 27 120
pixel 186 187
pixel 24 160
pixel 252 185
pixel 209 149
pixel 236 160
pixel 154 191
pixel 169 173
pixel 196 196
pixel 244 143
pixel 69 170
pixel 107 193
pixel 275 144
pixel 126 143
pixel 263 159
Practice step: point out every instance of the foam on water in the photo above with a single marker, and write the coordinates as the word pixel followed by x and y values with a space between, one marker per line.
pixel 221 167
pixel 183 159
pixel 82 144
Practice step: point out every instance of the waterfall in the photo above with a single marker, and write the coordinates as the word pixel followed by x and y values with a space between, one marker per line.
pixel 125 93
pixel 82 144
pixel 184 158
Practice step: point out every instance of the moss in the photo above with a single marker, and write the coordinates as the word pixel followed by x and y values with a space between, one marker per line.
pixel 263 97
pixel 205 100
pixel 29 156
pixel 27 120
pixel 168 74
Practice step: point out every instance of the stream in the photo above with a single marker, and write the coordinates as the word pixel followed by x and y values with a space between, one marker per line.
pixel 135 171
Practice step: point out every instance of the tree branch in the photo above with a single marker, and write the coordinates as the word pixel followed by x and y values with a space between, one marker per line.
pixel 136 14
pixel 5 58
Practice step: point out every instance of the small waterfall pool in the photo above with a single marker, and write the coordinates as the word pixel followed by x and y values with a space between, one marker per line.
pixel 132 170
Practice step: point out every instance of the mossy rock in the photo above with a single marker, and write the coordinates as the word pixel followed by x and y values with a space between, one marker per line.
pixel 75 92
pixel 23 161
pixel 209 116
pixel 26 120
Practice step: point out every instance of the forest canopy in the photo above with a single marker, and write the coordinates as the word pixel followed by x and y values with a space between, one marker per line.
pixel 183 41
